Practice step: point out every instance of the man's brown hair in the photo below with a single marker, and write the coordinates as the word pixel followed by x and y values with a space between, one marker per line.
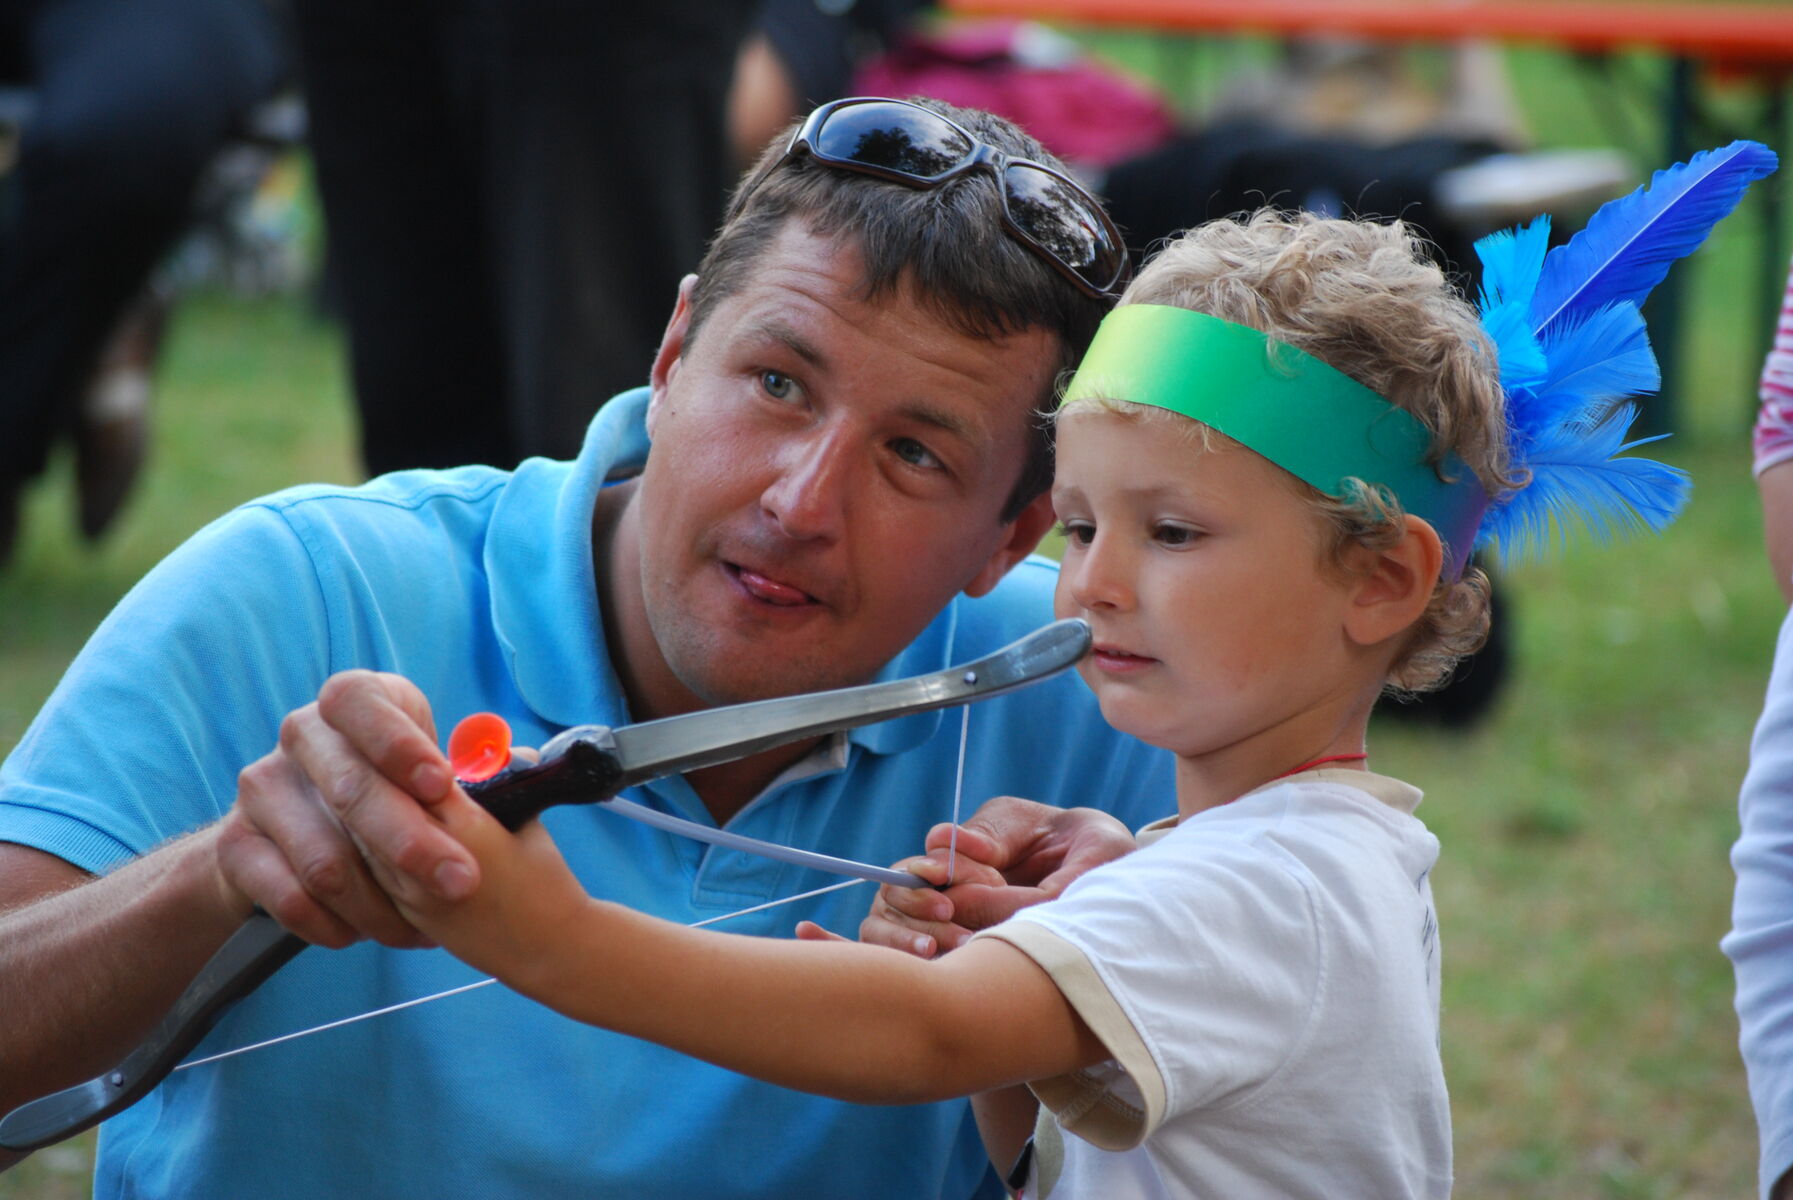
pixel 947 244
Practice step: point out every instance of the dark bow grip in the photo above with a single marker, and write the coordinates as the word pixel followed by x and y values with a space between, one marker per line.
pixel 582 775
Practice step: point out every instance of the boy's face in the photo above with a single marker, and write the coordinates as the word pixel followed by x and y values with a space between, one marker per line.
pixel 1217 629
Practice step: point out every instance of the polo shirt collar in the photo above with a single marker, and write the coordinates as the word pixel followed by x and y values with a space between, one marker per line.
pixel 539 566
pixel 543 580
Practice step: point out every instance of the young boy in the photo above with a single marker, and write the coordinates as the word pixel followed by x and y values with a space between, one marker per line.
pixel 1262 542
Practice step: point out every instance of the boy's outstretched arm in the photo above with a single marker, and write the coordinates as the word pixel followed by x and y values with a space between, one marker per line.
pixel 842 1019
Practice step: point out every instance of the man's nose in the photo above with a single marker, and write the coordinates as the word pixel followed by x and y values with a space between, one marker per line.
pixel 808 498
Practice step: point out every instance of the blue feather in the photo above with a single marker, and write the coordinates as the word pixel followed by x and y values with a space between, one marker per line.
pixel 1522 362
pixel 1511 260
pixel 1630 243
pixel 1594 362
pixel 1578 481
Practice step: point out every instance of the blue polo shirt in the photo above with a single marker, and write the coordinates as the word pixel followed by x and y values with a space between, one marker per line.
pixel 479 586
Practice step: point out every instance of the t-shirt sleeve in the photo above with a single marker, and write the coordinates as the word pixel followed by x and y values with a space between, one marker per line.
pixel 181 686
pixel 1197 961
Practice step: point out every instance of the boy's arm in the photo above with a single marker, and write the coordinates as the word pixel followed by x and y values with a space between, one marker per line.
pixel 842 1019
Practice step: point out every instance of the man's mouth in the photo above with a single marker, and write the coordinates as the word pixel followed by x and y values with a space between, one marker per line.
pixel 770 590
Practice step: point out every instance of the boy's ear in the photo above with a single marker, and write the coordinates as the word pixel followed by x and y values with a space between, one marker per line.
pixel 1391 588
pixel 1019 539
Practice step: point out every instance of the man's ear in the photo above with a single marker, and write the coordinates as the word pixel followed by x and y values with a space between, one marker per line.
pixel 1391 588
pixel 672 349
pixel 1019 538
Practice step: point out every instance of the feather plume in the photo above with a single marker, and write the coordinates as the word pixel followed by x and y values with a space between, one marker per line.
pixel 1511 261
pixel 1579 482
pixel 1597 361
pixel 1522 362
pixel 1630 243
pixel 1580 346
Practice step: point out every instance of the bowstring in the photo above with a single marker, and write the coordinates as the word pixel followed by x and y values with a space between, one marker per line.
pixel 952 845
pixel 480 983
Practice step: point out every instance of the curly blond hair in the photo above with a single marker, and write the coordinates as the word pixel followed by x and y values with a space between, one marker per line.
pixel 1365 299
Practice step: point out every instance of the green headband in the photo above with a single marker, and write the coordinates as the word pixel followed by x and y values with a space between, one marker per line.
pixel 1313 421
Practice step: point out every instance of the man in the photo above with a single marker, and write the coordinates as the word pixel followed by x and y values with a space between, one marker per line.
pixel 845 478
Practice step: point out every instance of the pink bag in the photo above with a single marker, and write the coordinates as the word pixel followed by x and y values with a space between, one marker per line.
pixel 1082 111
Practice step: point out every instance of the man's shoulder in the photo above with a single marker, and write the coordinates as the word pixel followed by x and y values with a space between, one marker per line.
pixel 387 497
pixel 400 519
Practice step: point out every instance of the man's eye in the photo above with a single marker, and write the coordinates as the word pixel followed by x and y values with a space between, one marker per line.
pixel 914 453
pixel 1174 535
pixel 778 385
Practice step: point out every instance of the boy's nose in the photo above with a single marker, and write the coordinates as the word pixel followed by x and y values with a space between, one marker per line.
pixel 1100 576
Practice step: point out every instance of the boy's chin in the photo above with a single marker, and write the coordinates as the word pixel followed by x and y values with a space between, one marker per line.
pixel 1126 716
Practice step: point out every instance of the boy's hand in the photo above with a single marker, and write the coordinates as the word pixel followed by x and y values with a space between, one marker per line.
pixel 923 925
pixel 525 897
pixel 1012 853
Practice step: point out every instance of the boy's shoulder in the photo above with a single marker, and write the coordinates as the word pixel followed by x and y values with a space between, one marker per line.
pixel 1319 828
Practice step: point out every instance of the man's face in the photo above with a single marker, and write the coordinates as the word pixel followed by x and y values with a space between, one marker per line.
pixel 826 474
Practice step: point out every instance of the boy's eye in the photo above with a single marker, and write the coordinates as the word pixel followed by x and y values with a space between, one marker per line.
pixel 1081 533
pixel 914 453
pixel 778 385
pixel 1166 534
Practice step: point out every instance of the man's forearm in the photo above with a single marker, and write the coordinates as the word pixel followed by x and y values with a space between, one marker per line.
pixel 86 971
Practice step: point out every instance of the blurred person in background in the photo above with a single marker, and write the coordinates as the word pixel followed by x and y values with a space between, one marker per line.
pixel 121 105
pixel 507 185
pixel 1449 171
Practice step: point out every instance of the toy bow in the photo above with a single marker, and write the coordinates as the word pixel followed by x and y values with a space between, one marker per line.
pixel 588 764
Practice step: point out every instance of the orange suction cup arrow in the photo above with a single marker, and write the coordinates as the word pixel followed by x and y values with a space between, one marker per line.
pixel 479 747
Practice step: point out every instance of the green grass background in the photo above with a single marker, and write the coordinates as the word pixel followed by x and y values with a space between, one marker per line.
pixel 1589 1039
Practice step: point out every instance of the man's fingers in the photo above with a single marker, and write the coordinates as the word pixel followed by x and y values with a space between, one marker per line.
pixel 1008 833
pixel 255 868
pixel 809 931
pixel 385 821
pixel 298 866
pixel 1089 838
pixel 389 723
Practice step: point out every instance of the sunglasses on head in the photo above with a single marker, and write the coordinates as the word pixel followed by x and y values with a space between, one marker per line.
pixel 1043 210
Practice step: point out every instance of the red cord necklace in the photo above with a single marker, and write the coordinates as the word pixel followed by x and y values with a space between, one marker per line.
pixel 1308 766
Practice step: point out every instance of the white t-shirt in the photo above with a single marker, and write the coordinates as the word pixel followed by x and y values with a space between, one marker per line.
pixel 1265 975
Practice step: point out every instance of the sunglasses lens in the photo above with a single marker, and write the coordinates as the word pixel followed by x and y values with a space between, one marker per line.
pixel 1062 220
pixel 892 137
